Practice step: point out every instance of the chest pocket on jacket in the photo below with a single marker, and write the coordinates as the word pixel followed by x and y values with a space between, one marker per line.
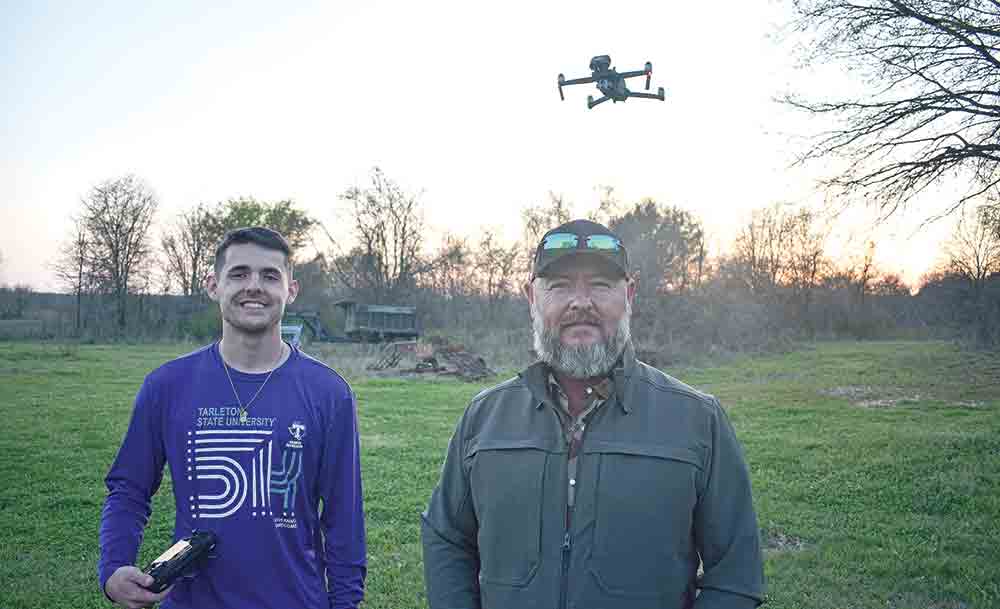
pixel 644 510
pixel 508 479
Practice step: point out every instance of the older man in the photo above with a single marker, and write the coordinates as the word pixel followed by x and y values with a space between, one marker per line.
pixel 591 481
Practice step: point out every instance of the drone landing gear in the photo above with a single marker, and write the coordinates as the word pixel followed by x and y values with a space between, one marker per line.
pixel 591 102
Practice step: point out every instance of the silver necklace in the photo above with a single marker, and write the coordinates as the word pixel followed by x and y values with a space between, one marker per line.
pixel 245 408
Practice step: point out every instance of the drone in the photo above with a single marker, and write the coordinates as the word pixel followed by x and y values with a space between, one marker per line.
pixel 610 82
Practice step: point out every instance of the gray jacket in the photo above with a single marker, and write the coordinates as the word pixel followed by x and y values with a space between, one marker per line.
pixel 661 482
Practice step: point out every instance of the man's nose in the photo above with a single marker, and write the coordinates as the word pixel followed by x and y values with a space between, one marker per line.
pixel 580 298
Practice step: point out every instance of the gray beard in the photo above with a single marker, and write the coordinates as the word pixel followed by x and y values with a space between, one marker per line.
pixel 581 361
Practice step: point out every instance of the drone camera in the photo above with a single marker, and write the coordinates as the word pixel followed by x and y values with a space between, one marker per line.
pixel 600 63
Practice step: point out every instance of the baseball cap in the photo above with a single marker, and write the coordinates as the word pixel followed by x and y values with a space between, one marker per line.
pixel 579 237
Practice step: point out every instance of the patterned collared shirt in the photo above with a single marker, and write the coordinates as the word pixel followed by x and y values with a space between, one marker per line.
pixel 574 426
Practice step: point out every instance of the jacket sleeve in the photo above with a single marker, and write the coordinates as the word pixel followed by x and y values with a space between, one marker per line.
pixel 449 531
pixel 132 481
pixel 726 530
pixel 343 519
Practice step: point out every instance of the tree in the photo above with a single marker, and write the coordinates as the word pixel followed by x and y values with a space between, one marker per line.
pixel 889 284
pixel 72 268
pixel 116 219
pixel 608 205
pixel 539 219
pixel 666 246
pixel 497 268
pixel 858 277
pixel 388 229
pixel 759 251
pixel 806 260
pixel 930 105
pixel 990 215
pixel 189 244
pixel 188 248
pixel 452 276
pixel 283 216
pixel 15 301
pixel 973 252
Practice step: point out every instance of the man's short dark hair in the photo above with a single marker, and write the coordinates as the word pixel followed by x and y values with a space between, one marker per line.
pixel 258 235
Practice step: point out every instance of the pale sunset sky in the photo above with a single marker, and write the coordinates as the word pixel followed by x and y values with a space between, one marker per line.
pixel 457 100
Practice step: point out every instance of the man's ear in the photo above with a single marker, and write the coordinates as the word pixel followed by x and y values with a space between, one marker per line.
pixel 211 285
pixel 631 287
pixel 528 289
pixel 293 291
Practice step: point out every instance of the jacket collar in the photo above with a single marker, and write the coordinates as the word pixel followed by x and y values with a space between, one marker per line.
pixel 536 378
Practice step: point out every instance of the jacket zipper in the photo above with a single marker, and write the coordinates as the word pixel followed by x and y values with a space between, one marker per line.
pixel 567 544
pixel 565 570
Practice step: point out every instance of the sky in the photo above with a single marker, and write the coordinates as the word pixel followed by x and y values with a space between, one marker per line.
pixel 456 101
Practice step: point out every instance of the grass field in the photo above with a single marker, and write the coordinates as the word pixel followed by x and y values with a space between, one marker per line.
pixel 876 470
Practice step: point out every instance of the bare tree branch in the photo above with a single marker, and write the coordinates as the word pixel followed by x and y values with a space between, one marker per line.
pixel 116 217
pixel 930 111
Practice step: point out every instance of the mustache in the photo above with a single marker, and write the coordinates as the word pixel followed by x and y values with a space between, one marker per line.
pixel 579 318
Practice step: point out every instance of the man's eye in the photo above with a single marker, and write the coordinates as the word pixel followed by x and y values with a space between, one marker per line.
pixel 272 276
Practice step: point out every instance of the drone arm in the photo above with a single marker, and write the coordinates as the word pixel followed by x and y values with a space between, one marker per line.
pixel 659 95
pixel 578 81
pixel 647 72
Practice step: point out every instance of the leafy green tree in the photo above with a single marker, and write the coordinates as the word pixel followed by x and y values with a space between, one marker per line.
pixel 282 216
pixel 188 245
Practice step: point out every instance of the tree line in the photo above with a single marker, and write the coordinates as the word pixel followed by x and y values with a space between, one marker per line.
pixel 776 281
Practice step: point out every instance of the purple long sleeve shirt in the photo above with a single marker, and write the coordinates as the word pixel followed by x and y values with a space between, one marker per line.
pixel 258 485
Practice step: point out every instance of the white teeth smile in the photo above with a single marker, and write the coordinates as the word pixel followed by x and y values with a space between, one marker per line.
pixel 253 305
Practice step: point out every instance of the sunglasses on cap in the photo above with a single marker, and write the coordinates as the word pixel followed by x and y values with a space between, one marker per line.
pixel 556 245
pixel 564 241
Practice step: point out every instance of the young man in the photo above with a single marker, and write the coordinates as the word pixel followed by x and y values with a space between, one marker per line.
pixel 262 445
pixel 591 480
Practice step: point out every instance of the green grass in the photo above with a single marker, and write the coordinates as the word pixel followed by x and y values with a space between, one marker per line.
pixel 876 470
